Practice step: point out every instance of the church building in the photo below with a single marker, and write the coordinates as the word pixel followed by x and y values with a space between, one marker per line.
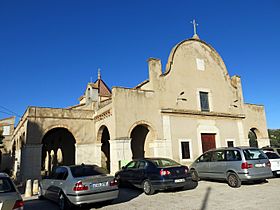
pixel 179 112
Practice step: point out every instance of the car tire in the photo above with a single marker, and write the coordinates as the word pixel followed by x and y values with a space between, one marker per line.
pixel 233 180
pixel 40 193
pixel 147 187
pixel 63 202
pixel 194 175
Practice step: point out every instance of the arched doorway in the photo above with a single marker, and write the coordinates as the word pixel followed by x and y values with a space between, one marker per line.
pixel 139 135
pixel 252 136
pixel 58 149
pixel 104 137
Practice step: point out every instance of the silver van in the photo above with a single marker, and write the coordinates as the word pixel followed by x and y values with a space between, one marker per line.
pixel 234 164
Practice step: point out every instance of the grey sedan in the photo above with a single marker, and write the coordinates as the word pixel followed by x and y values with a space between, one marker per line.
pixel 77 185
pixel 10 197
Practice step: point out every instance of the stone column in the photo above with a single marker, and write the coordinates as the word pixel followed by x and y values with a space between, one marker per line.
pixel 120 152
pixel 31 161
pixel 167 136
pixel 263 142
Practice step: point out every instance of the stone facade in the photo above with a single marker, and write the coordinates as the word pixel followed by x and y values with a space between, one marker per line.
pixel 191 106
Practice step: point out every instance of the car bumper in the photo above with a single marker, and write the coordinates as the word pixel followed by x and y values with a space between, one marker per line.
pixel 93 197
pixel 248 177
pixel 170 183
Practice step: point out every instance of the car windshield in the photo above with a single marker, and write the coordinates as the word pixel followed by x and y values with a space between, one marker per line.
pixel 164 162
pixel 253 154
pixel 86 170
pixel 6 185
pixel 272 155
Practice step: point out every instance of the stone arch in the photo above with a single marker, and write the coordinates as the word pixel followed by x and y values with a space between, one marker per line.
pixel 253 135
pixel 103 136
pixel 141 134
pixel 57 141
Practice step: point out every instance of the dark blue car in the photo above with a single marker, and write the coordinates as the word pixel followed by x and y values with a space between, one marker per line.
pixel 152 174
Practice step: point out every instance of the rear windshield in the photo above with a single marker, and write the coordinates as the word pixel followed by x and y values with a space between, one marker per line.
pixel 164 162
pixel 6 185
pixel 253 154
pixel 272 155
pixel 86 170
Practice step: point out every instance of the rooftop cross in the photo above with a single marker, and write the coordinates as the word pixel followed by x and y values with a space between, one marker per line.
pixel 194 26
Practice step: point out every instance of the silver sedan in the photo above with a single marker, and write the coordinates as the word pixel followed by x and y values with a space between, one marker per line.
pixel 10 197
pixel 77 185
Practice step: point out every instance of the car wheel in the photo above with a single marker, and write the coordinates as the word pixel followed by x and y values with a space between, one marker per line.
pixel 40 193
pixel 63 202
pixel 148 188
pixel 194 175
pixel 233 180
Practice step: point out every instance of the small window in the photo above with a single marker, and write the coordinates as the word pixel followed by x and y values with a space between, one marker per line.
pixel 141 165
pixel 185 149
pixel 230 143
pixel 204 101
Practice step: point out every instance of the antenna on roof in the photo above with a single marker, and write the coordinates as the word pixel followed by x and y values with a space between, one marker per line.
pixel 99 74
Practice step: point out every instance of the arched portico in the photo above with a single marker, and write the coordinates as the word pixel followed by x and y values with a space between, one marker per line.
pixel 103 137
pixel 253 137
pixel 141 136
pixel 58 148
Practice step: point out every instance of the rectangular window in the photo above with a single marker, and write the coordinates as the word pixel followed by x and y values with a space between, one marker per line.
pixel 204 101
pixel 230 144
pixel 200 64
pixel 185 148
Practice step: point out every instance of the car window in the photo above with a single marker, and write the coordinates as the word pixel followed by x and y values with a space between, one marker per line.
pixel 218 156
pixel 141 165
pixel 253 154
pixel 61 173
pixel 6 185
pixel 205 157
pixel 233 155
pixel 86 170
pixel 272 155
pixel 164 162
pixel 132 164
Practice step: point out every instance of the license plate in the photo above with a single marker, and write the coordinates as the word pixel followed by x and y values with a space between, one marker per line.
pixel 260 165
pixel 277 172
pixel 179 180
pixel 101 184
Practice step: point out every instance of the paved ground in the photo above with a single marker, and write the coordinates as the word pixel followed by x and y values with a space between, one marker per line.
pixel 206 195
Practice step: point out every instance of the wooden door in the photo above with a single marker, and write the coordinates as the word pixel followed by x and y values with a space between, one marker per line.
pixel 208 141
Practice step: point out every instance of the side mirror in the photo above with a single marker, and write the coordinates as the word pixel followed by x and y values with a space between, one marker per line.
pixel 123 167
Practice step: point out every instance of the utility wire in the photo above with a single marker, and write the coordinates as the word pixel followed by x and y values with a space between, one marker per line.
pixel 10 112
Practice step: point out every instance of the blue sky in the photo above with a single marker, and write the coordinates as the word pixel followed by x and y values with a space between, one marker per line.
pixel 49 50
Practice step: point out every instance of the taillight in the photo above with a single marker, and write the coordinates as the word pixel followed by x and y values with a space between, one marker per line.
pixel 164 172
pixel 268 164
pixel 18 205
pixel 245 165
pixel 79 186
pixel 114 182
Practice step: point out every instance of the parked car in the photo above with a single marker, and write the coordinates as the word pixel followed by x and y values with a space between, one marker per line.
pixel 10 197
pixel 234 164
pixel 153 174
pixel 274 159
pixel 77 185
